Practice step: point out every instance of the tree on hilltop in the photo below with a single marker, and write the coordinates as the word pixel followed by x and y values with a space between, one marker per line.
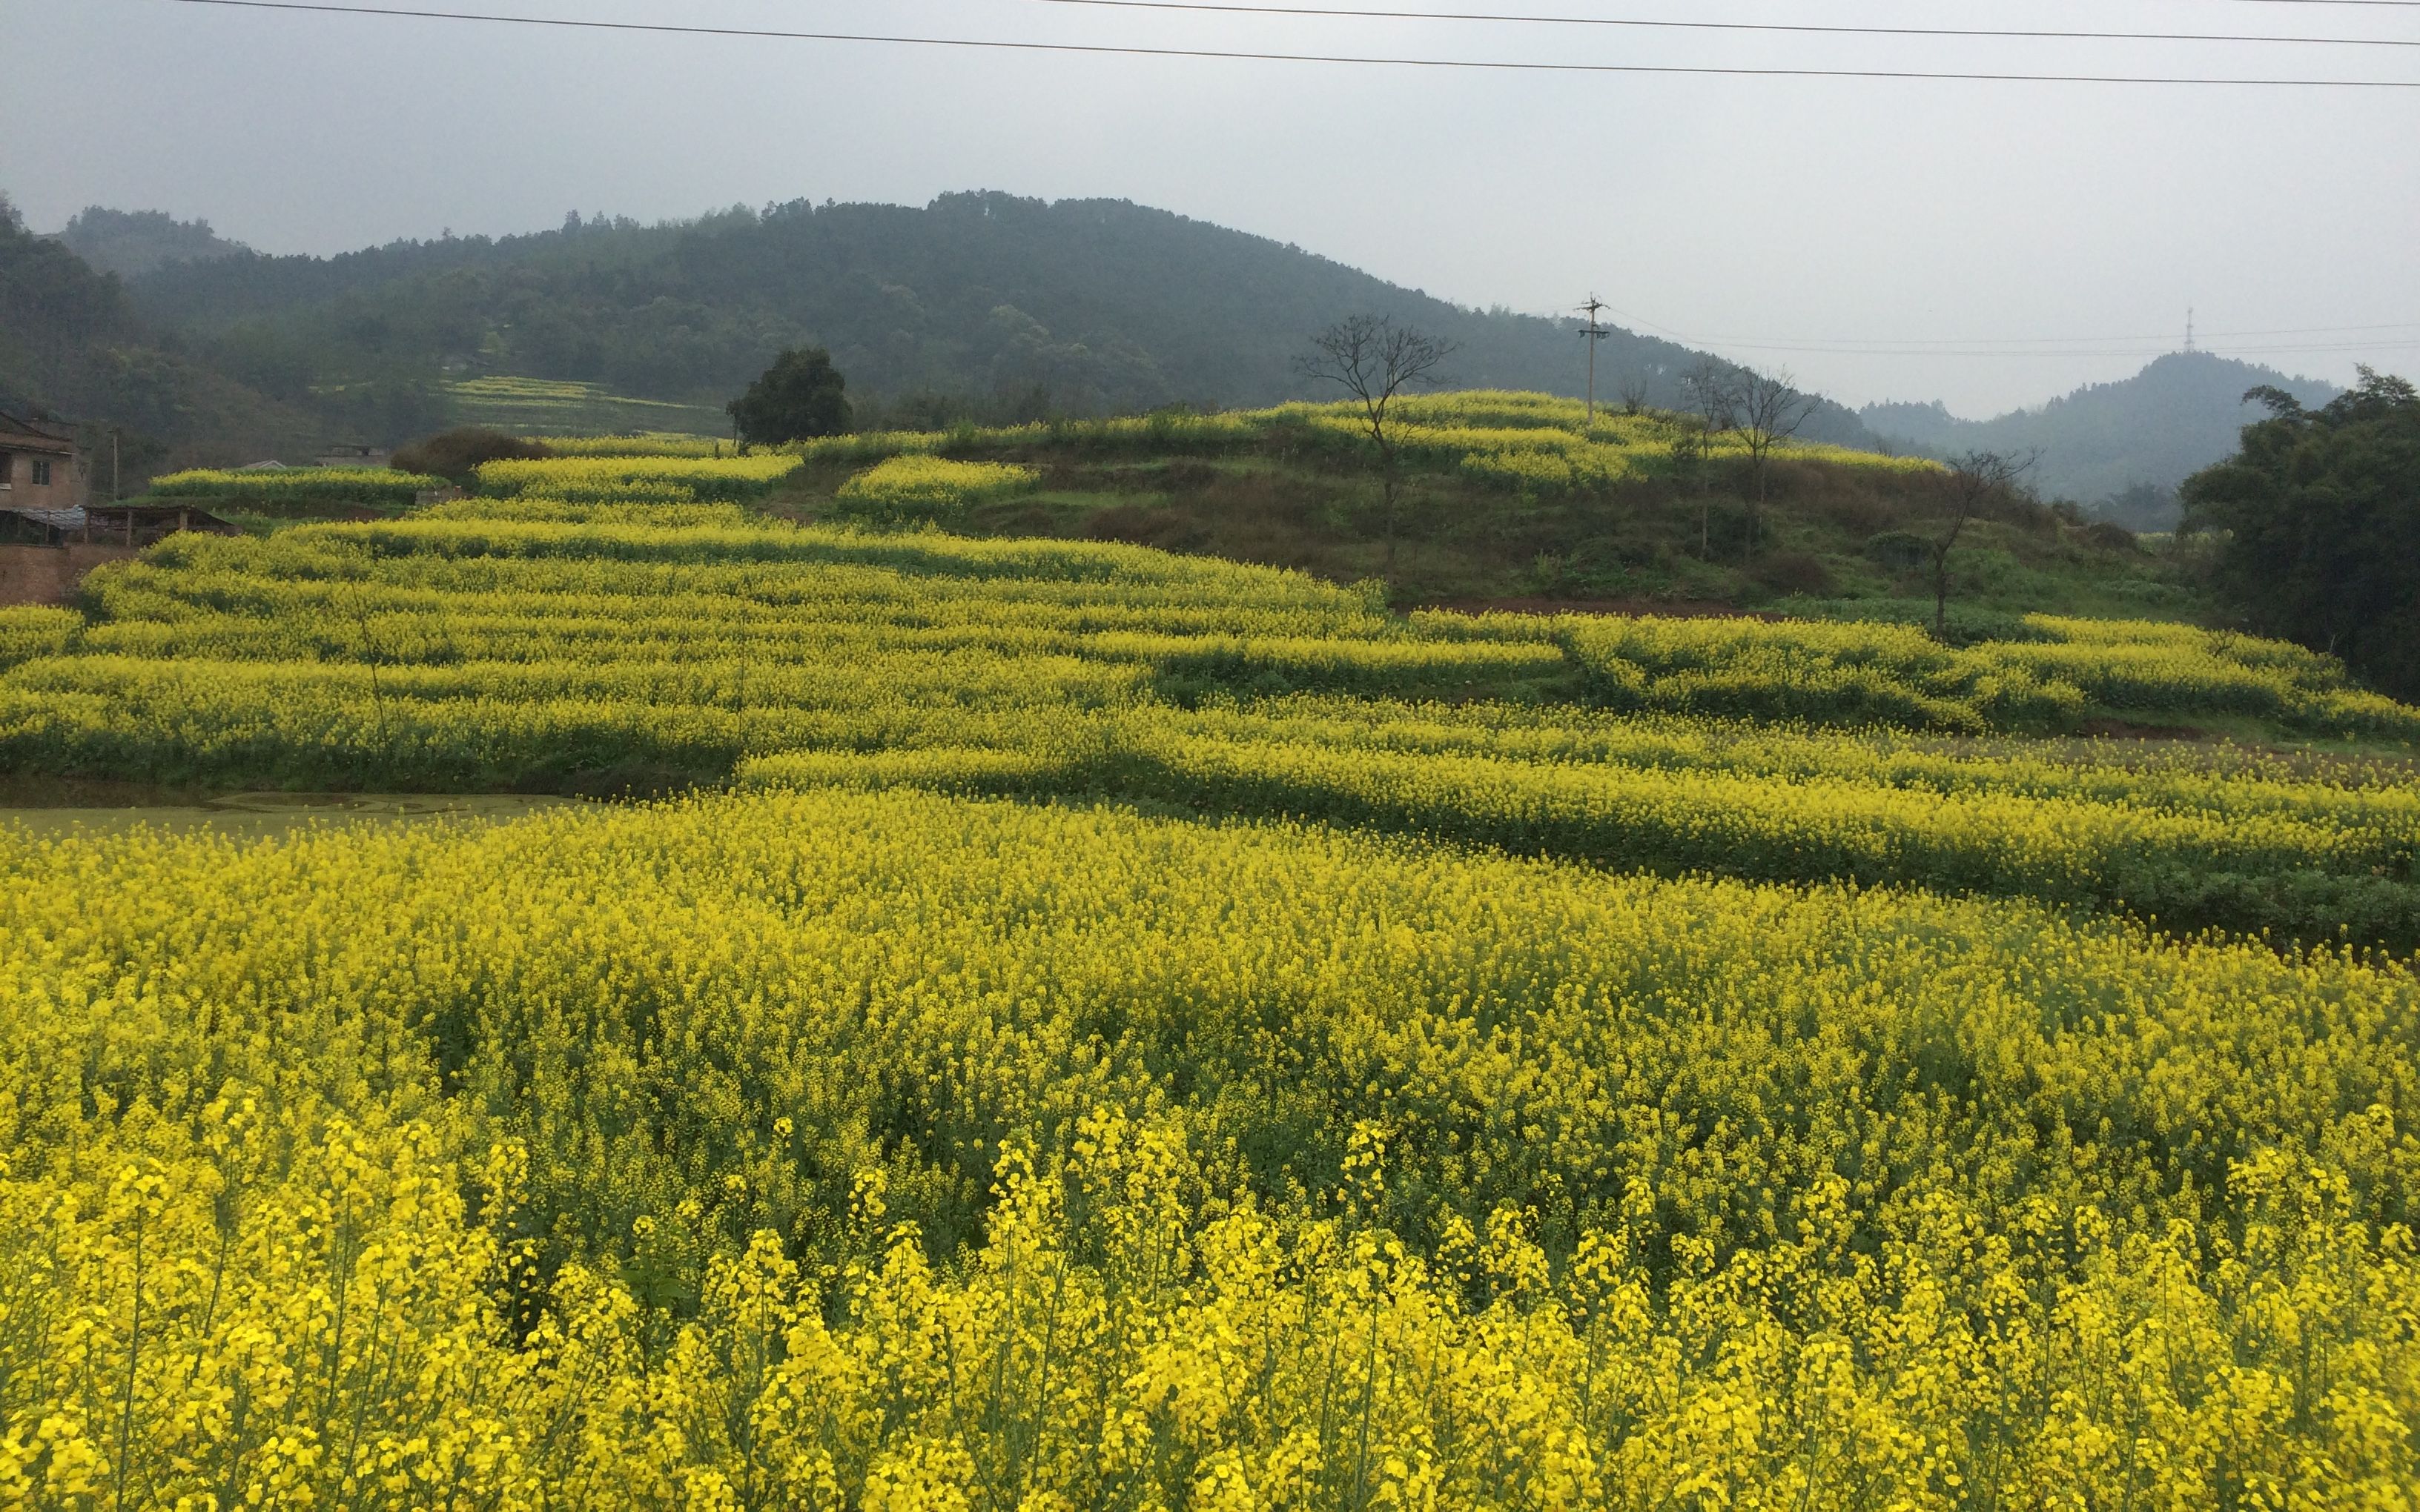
pixel 1373 360
pixel 799 396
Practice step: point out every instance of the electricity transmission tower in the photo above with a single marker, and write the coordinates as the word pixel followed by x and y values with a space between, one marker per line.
pixel 1593 334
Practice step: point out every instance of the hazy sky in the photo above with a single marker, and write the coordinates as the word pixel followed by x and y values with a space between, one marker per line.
pixel 1882 239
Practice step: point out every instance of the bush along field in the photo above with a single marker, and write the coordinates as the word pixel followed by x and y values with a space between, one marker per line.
pixel 1131 1029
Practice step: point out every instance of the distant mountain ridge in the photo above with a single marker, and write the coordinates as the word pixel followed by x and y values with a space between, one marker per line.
pixel 1080 305
pixel 2125 445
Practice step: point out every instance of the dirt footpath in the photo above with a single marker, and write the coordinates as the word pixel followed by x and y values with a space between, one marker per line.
pixel 49 574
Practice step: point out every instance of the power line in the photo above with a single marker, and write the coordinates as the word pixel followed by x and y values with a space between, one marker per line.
pixel 2298 330
pixel 2207 347
pixel 2058 346
pixel 764 34
pixel 1798 28
pixel 1915 349
pixel 2380 5
pixel 2072 345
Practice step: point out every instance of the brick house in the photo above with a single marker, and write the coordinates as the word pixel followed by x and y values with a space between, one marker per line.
pixel 41 467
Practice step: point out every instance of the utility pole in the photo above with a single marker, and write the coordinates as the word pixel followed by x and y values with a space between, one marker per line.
pixel 2189 327
pixel 1592 333
pixel 114 496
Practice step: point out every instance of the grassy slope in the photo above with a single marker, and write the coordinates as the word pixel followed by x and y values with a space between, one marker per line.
pixel 1645 543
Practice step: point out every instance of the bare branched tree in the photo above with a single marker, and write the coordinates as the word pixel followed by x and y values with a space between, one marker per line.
pixel 1975 484
pixel 1708 388
pixel 1766 410
pixel 1373 360
pixel 1633 394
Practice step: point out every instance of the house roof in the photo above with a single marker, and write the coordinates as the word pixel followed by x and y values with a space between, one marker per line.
pixel 151 511
pixel 58 520
pixel 19 427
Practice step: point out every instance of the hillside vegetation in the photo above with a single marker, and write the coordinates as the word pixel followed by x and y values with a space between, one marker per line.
pixel 1150 1030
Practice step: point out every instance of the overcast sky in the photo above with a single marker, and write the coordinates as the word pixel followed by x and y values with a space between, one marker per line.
pixel 1783 222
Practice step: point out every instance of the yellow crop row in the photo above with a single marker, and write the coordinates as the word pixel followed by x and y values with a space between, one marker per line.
pixel 372 485
pixel 643 443
pixel 705 477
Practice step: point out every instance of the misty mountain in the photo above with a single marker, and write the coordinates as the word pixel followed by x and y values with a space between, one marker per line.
pixel 2122 446
pixel 1082 306
pixel 132 242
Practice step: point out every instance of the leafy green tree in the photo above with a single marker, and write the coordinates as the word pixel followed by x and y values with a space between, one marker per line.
pixel 800 395
pixel 2319 523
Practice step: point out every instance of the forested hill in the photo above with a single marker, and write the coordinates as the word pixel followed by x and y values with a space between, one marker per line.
pixel 70 344
pixel 1080 305
pixel 130 243
pixel 2123 445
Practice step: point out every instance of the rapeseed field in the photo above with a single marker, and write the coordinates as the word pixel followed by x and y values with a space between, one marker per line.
pixel 1122 1030
pixel 822 1149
